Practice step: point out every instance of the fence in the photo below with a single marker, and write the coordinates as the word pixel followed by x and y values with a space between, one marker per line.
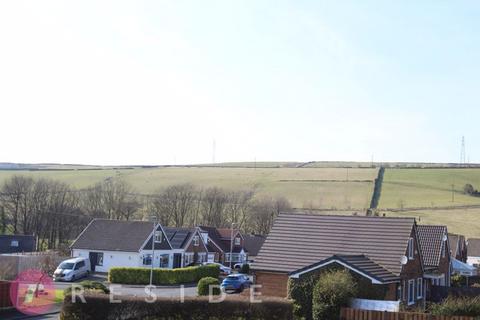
pixel 5 295
pixel 356 314
pixel 13 264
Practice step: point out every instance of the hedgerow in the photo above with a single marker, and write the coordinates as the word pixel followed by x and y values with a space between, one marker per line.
pixel 141 276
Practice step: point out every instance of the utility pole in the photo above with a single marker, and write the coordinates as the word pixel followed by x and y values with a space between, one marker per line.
pixel 231 244
pixel 453 193
pixel 154 219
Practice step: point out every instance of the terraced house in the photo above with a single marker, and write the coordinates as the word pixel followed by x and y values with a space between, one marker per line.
pixel 379 251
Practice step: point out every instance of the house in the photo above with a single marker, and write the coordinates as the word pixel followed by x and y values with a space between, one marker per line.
pixel 191 244
pixel 473 249
pixel 17 243
pixel 458 247
pixel 435 249
pixel 379 250
pixel 253 243
pixel 223 241
pixel 114 243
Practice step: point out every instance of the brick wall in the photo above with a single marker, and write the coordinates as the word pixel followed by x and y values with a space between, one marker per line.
pixel 273 284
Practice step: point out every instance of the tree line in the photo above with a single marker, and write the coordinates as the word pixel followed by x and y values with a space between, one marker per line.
pixel 56 212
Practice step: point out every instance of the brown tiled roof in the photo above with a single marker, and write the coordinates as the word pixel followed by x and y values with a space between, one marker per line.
pixel 215 236
pixel 360 263
pixel 431 243
pixel 473 247
pixel 299 240
pixel 225 233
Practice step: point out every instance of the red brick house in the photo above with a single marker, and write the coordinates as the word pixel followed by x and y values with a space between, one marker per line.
pixel 436 257
pixel 223 241
pixel 384 251
pixel 189 245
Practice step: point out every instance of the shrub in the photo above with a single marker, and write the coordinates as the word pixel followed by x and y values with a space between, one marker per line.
pixel 458 280
pixel 98 307
pixel 300 290
pixel 203 287
pixel 141 276
pixel 331 292
pixel 89 285
pixel 457 307
pixel 245 268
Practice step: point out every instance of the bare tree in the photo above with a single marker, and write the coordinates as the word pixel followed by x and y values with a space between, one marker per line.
pixel 264 211
pixel 214 201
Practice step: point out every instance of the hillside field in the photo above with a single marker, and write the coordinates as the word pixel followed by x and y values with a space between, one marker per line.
pixel 411 188
pixel 323 188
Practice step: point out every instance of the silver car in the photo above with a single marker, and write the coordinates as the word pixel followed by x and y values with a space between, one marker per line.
pixel 72 269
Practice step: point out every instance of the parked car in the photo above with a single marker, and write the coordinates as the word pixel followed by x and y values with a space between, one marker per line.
pixel 235 282
pixel 72 269
pixel 223 269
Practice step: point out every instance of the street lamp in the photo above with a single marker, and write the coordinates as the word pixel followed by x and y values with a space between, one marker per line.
pixel 231 244
pixel 154 219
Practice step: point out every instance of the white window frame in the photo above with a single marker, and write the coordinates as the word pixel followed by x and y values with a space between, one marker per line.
pixel 411 293
pixel 158 236
pixel 411 249
pixel 237 241
pixel 196 241
pixel 187 258
pixel 146 256
pixel 419 288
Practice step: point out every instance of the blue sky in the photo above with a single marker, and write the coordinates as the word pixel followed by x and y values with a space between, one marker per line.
pixel 155 82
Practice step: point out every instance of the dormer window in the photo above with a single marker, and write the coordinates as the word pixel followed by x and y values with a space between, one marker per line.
pixel 237 241
pixel 196 241
pixel 158 236
pixel 411 250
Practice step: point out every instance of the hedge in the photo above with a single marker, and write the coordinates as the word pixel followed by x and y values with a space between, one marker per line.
pixel 203 287
pixel 457 307
pixel 89 285
pixel 141 276
pixel 98 307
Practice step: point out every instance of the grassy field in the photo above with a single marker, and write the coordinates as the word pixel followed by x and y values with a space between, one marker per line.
pixel 462 221
pixel 427 187
pixel 304 187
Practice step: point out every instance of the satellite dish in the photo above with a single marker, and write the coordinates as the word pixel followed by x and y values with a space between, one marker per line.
pixel 445 238
pixel 404 260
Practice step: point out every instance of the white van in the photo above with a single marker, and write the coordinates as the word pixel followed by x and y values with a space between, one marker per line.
pixel 72 269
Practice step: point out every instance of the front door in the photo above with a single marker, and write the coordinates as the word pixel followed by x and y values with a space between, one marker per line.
pixel 93 256
pixel 177 260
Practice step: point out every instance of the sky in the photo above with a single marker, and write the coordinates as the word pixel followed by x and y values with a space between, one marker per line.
pixel 161 82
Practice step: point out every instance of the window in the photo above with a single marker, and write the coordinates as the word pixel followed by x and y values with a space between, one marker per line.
pixel 79 265
pixel 410 249
pixel 202 257
pixel 147 259
pixel 100 259
pixel 187 259
pixel 195 241
pixel 419 288
pixel 411 292
pixel 235 257
pixel 14 243
pixel 158 236
pixel 164 258
pixel 237 241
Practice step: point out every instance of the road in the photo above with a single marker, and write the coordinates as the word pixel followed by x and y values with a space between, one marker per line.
pixel 118 290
